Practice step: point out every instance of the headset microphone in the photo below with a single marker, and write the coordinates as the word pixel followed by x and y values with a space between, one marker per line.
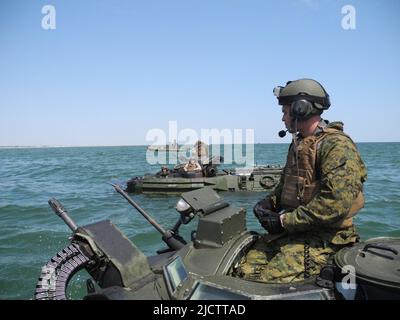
pixel 282 133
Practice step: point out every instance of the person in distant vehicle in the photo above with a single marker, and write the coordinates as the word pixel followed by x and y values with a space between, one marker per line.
pixel 200 152
pixel 164 172
pixel 309 216
pixel 192 166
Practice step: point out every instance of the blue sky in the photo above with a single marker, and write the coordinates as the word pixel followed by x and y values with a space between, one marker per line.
pixel 113 70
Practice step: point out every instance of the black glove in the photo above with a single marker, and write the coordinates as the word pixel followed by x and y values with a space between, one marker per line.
pixel 262 208
pixel 272 223
pixel 270 220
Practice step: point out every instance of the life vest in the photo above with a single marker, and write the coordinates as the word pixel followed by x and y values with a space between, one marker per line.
pixel 302 182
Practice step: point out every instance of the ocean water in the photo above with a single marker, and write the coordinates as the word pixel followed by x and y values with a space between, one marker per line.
pixel 30 233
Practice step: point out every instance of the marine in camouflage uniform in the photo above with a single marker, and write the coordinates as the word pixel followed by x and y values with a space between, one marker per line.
pixel 320 191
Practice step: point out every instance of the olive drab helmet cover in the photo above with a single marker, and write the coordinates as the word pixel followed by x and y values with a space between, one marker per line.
pixel 306 97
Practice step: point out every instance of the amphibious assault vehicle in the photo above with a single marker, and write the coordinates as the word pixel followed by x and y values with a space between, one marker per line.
pixel 177 180
pixel 168 147
pixel 200 268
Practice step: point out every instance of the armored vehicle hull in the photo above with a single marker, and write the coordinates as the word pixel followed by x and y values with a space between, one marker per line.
pixel 258 179
pixel 201 268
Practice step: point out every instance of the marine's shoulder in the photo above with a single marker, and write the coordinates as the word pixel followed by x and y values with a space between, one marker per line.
pixel 334 134
pixel 335 139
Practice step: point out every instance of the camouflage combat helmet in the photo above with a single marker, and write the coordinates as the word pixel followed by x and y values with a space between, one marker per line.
pixel 307 97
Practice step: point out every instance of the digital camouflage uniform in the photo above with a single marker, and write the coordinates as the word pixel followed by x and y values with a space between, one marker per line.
pixel 319 228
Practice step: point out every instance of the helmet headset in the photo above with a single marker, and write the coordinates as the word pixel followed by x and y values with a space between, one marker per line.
pixel 303 105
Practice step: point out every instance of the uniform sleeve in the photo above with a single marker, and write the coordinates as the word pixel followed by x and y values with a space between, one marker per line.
pixel 342 175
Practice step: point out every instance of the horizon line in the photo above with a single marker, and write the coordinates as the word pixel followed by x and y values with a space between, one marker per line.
pixel 145 145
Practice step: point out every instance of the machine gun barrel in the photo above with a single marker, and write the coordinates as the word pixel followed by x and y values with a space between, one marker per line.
pixel 138 208
pixel 167 235
pixel 62 213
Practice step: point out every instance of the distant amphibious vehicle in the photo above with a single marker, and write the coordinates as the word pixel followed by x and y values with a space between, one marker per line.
pixel 168 147
pixel 177 180
pixel 201 268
